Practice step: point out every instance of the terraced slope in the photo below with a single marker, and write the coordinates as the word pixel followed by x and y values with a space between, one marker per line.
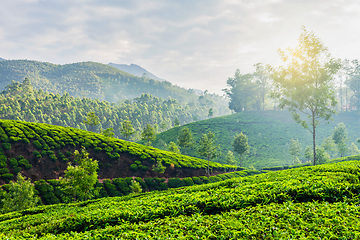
pixel 319 202
pixel 41 151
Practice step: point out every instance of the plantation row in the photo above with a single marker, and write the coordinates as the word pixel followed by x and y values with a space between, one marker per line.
pixel 306 202
pixel 49 142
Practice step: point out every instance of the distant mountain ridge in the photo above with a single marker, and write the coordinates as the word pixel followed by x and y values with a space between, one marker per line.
pixel 135 70
pixel 2 59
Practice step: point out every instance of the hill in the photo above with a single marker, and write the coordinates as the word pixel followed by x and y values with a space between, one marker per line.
pixel 269 133
pixel 303 203
pixel 42 151
pixel 22 102
pixel 1 59
pixel 101 81
pixel 135 70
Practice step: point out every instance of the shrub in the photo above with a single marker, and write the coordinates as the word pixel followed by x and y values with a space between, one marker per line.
pixel 214 179
pixel 138 162
pixel 37 145
pixel 197 180
pixel 7 177
pixel 122 185
pixel 175 183
pixel 110 188
pixel 143 168
pixel 6 146
pixel 4 170
pixel 17 170
pixel 37 154
pixel 142 183
pixel 13 162
pixel 188 181
pixel 134 167
pixel 98 149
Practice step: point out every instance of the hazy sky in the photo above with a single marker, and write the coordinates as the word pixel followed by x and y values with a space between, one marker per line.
pixel 191 43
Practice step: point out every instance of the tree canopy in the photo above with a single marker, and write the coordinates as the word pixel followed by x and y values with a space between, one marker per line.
pixel 303 82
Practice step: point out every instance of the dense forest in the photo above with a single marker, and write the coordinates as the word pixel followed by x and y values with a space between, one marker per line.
pixel 100 81
pixel 20 101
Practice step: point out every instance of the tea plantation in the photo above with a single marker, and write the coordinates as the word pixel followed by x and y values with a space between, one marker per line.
pixel 320 202
pixel 269 133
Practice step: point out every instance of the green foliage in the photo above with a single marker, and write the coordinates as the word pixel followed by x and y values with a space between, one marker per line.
pixel 185 139
pixel 13 162
pixel 134 167
pixel 6 146
pixel 79 180
pixel 172 147
pixel 240 145
pixel 135 187
pixel 127 129
pixel 175 183
pixel 207 148
pixel 21 195
pixel 159 168
pixel 324 199
pixel 148 134
pixel 340 137
pixel 302 84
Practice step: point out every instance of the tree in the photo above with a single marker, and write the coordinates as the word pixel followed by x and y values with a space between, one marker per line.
pixel 240 145
pixel 107 132
pixel 230 158
pixel 328 145
pixel 240 91
pixel 308 153
pixel 127 129
pixel 294 148
pixel 322 155
pixel 211 113
pixel 353 81
pixel 21 195
pixel 185 139
pixel 80 180
pixel 353 149
pixel 303 83
pixel 172 147
pixel 176 122
pixel 92 121
pixel 159 168
pixel 148 134
pixel 135 187
pixel 208 149
pixel 340 137
pixel 262 77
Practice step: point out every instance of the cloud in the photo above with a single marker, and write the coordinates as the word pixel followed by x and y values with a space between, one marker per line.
pixel 190 43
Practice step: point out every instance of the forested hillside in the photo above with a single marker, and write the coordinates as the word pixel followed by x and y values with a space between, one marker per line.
pixel 23 102
pixel 269 134
pixel 303 203
pixel 135 70
pixel 101 81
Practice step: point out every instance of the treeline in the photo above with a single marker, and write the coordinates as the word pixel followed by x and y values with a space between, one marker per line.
pixel 252 91
pixel 22 102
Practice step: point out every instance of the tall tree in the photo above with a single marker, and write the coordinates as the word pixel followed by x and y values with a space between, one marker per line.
pixel 148 134
pixel 92 121
pixel 262 77
pixel 172 147
pixel 353 81
pixel 80 180
pixel 185 139
pixel 240 145
pixel 21 195
pixel 208 149
pixel 127 129
pixel 303 82
pixel 240 91
pixel 294 148
pixel 340 137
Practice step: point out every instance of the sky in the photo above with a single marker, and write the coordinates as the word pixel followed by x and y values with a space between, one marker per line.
pixel 191 43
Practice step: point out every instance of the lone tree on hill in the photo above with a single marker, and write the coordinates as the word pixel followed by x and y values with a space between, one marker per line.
pixel 80 180
pixel 185 139
pixel 303 82
pixel 148 134
pixel 127 129
pixel 240 145
pixel 340 137
pixel 208 149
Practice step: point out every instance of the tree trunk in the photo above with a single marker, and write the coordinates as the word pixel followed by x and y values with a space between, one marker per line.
pixel 313 132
